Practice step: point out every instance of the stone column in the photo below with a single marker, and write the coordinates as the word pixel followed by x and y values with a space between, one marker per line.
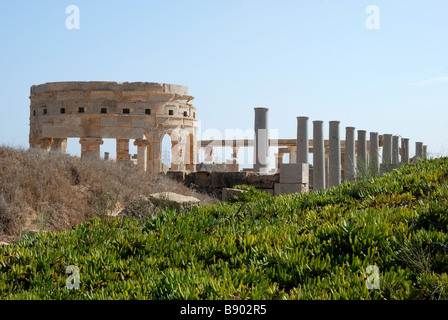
pixel 142 153
pixel 362 161
pixel 292 154
pixel 374 164
pixel 404 150
pixel 175 159
pixel 425 152
pixel 349 157
pixel 334 174
pixel 208 154
pixel 177 154
pixel 395 150
pixel 191 150
pixel 261 141
pixel 235 151
pixel 302 140
pixel 278 160
pixel 418 151
pixel 318 156
pixel 154 157
pixel 387 148
pixel 59 144
pixel 90 148
pixel 122 150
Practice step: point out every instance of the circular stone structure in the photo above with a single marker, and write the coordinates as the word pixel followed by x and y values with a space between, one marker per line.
pixel 92 111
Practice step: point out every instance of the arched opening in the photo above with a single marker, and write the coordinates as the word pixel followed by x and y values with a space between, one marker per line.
pixel 166 151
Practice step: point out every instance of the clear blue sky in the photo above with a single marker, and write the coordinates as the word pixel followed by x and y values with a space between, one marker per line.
pixel 312 58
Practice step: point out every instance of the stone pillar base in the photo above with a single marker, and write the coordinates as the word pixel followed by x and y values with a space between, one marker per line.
pixel 294 173
pixel 232 165
pixel 289 188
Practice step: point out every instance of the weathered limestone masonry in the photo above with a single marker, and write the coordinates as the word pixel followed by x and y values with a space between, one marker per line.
pixel 93 111
pixel 146 112
pixel 425 151
pixel 419 150
pixel 334 165
pixel 318 156
pixel 214 183
pixel 333 160
pixel 404 150
pixel 302 140
pixel 261 144
pixel 350 154
pixel 387 148
pixel 390 153
pixel 362 160
pixel 395 150
pixel 294 178
pixel 374 165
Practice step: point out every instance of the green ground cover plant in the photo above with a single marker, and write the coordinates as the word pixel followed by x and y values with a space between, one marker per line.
pixel 256 246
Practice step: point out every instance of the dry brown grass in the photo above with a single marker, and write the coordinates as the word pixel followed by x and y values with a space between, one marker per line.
pixel 54 191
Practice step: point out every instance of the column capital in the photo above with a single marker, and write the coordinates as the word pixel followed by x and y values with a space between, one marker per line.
pixel 44 143
pixel 141 142
pixel 91 140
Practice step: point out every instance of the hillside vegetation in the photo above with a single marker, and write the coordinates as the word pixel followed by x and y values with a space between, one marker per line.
pixel 51 191
pixel 301 246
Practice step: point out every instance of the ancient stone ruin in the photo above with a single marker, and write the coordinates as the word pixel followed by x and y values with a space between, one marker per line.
pixel 93 111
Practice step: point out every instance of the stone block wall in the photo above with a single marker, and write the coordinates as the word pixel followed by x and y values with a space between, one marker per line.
pixel 214 182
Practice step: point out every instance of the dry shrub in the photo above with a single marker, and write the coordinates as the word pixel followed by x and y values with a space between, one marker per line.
pixel 55 191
